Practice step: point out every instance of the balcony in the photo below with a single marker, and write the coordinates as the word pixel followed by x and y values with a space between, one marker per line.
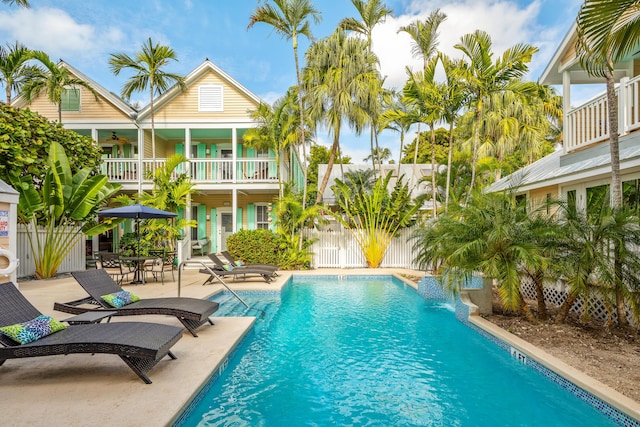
pixel 588 125
pixel 201 171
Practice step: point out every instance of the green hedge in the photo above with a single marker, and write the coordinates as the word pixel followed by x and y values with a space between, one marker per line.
pixel 254 246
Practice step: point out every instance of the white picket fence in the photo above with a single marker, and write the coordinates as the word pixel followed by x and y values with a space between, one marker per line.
pixel 76 260
pixel 339 249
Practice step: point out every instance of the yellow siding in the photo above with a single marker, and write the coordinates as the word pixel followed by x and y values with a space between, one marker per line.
pixel 90 109
pixel 570 53
pixel 538 197
pixel 185 105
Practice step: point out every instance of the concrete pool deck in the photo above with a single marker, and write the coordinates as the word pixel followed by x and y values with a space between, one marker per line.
pixel 78 390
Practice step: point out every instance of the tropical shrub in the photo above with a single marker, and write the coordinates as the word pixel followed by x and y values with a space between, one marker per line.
pixel 129 245
pixel 65 205
pixel 254 246
pixel 25 138
pixel 373 215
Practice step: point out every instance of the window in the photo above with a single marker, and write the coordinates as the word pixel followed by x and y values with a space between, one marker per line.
pixel 210 98
pixel 70 99
pixel 262 217
pixel 631 194
pixel 571 202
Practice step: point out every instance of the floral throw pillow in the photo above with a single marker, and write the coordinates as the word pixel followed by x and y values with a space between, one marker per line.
pixel 120 299
pixel 32 330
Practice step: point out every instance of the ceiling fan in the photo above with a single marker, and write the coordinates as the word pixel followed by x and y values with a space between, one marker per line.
pixel 117 139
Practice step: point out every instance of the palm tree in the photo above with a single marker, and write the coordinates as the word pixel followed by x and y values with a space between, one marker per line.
pixel 54 79
pixel 14 71
pixel 485 77
pixel 425 46
pixel 372 13
pixel 148 64
pixel 397 117
pixel 277 128
pixel 19 3
pixel 453 99
pixel 425 94
pixel 338 78
pixel 607 32
pixel 290 18
pixel 425 35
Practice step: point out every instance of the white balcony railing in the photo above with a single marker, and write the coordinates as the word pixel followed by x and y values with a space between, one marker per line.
pixel 588 124
pixel 209 171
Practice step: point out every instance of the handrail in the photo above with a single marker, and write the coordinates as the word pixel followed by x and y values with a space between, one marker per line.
pixel 183 263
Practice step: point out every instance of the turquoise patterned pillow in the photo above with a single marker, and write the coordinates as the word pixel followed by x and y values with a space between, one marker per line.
pixel 239 263
pixel 32 330
pixel 120 299
pixel 227 267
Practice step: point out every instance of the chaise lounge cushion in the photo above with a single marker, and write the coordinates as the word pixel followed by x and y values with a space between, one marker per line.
pixel 32 330
pixel 120 299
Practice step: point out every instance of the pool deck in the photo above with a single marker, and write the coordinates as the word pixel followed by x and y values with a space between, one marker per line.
pixel 78 390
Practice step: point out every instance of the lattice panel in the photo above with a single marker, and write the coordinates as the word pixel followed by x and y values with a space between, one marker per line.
pixel 555 297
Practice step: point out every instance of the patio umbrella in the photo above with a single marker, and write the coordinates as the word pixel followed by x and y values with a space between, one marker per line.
pixel 136 211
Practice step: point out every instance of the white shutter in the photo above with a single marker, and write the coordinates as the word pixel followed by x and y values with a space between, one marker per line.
pixel 210 98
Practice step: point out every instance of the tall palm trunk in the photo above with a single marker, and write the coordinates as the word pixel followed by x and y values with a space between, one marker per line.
pixel 59 112
pixel 335 147
pixel 449 162
pixel 301 136
pixel 564 309
pixel 433 168
pixel 476 142
pixel 153 125
pixel 415 152
pixel 401 149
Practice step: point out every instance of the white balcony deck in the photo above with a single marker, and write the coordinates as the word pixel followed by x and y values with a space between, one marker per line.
pixel 588 124
pixel 201 171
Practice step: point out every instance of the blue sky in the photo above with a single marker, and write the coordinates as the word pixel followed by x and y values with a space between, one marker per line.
pixel 84 33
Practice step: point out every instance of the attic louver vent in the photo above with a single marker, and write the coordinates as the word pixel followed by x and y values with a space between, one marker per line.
pixel 210 98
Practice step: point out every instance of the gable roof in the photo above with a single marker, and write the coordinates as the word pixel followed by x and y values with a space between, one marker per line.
pixel 190 79
pixel 110 97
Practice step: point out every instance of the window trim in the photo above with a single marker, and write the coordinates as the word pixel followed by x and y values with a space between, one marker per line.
pixel 258 223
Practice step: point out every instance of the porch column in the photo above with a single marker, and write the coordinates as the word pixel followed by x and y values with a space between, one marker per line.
pixel 140 174
pixel 234 207
pixel 566 107
pixel 234 157
pixel 187 151
pixel 623 108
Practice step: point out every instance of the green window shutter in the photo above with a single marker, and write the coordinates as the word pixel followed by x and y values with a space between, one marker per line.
pixel 180 149
pixel 126 149
pixel 239 153
pixel 70 99
pixel 251 152
pixel 202 167
pixel 214 231
pixel 202 221
pixel 251 216
pixel 114 151
pixel 239 219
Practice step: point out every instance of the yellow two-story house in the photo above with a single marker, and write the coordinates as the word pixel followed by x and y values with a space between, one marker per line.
pixel 205 122
pixel 582 166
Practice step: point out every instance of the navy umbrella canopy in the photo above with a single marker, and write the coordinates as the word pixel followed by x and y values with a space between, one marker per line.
pixel 136 211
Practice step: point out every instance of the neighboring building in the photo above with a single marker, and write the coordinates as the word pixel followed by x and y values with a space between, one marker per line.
pixel 583 165
pixel 206 122
pixel 417 177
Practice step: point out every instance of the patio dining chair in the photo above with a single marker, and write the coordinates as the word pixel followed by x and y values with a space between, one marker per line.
pixel 164 260
pixel 113 265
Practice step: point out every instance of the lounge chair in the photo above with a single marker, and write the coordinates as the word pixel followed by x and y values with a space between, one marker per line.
pixel 234 264
pixel 192 312
pixel 221 269
pixel 140 345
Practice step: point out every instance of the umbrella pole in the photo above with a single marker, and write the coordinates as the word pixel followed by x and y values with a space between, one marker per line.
pixel 138 269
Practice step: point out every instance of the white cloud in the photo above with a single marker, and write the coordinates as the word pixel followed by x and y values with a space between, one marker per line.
pixel 57 33
pixel 505 21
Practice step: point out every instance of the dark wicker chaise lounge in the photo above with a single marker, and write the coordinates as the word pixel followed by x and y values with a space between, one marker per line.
pixel 233 264
pixel 192 312
pixel 140 345
pixel 220 271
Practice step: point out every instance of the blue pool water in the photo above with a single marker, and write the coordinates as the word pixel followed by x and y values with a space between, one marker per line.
pixel 375 353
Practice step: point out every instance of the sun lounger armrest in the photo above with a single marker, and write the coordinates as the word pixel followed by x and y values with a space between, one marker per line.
pixel 72 307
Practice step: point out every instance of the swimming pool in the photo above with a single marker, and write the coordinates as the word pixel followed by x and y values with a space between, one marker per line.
pixel 354 352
